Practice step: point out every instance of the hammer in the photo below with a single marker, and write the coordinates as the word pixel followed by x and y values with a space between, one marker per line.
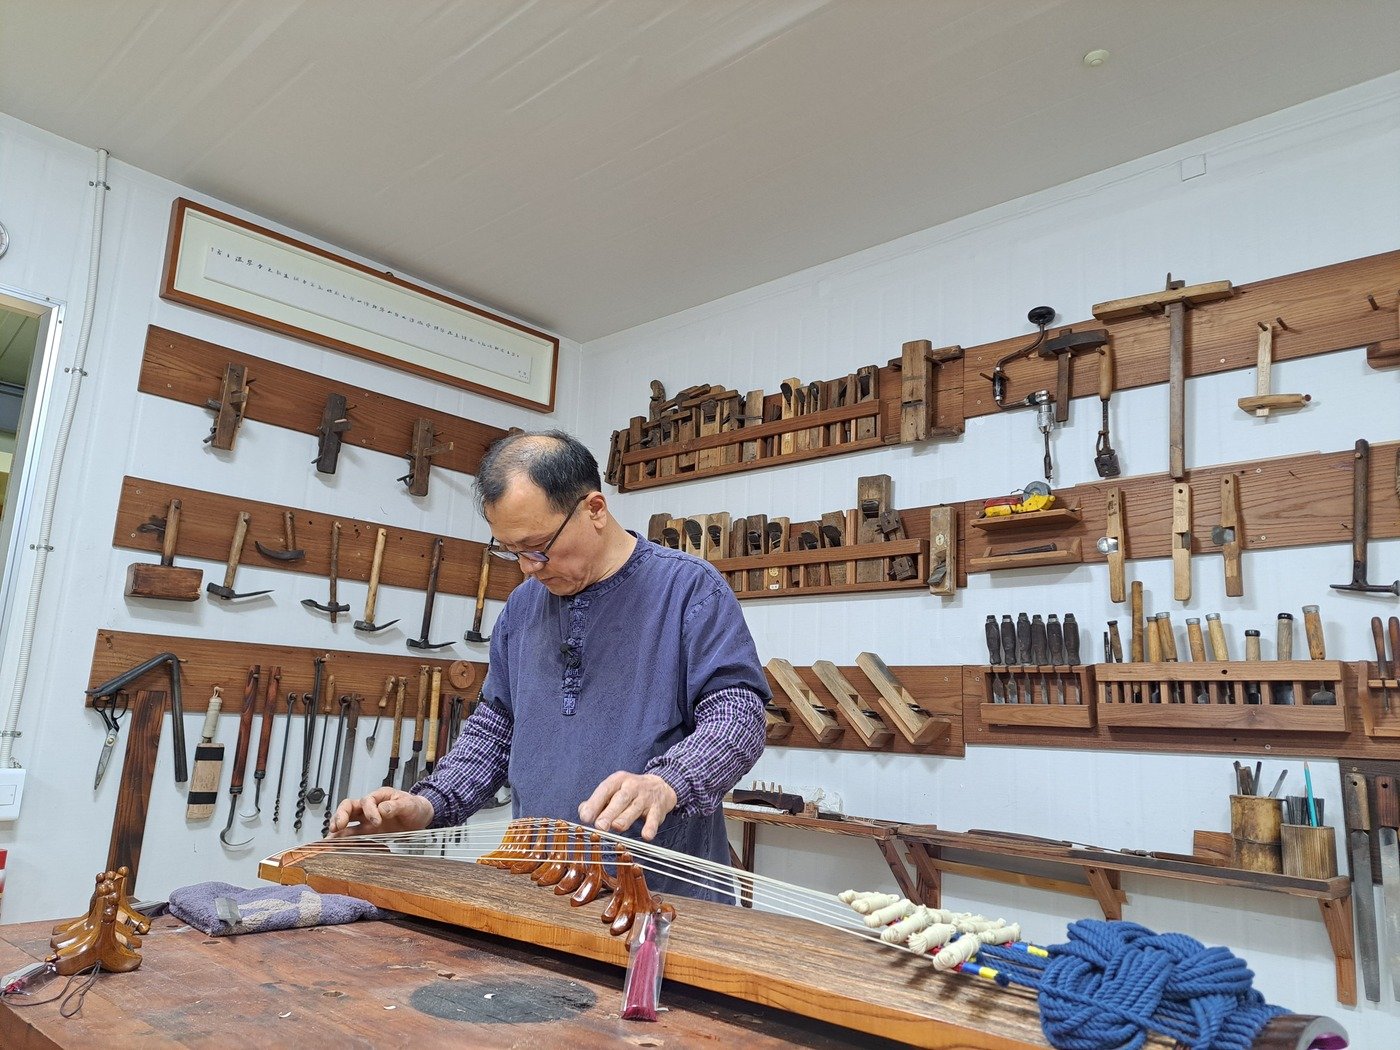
pixel 368 624
pixel 289 531
pixel 235 551
pixel 483 578
pixel 1361 527
pixel 422 642
pixel 333 607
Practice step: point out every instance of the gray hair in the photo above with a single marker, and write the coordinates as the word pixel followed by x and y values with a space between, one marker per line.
pixel 558 463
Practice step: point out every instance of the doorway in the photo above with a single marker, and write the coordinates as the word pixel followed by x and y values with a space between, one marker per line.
pixel 30 327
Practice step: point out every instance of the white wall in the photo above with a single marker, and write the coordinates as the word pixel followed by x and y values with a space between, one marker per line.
pixel 60 839
pixel 1307 187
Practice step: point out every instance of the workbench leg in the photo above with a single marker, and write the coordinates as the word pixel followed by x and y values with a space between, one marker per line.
pixel 1106 892
pixel 930 888
pixel 1336 916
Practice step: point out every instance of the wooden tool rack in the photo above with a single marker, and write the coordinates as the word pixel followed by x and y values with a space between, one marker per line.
pixel 1236 695
pixel 1076 708
pixel 1371 689
pixel 736 570
pixel 1058 867
pixel 1031 529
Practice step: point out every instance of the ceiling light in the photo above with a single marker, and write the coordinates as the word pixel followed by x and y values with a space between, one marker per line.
pixel 1096 58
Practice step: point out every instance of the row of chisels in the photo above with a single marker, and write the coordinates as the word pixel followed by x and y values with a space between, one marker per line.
pixel 169 582
pixel 1033 659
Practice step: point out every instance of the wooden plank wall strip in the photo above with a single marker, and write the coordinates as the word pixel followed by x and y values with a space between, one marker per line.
pixel 206 527
pixel 208 662
pixel 938 690
pixel 191 370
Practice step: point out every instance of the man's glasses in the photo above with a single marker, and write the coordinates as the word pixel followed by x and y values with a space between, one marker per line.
pixel 542 555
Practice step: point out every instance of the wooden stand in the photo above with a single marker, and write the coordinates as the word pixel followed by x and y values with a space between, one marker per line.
pixel 736 570
pixel 1371 690
pixel 1018 684
pixel 1220 695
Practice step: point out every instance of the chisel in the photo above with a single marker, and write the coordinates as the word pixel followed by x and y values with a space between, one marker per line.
pixel 1008 657
pixel 208 765
pixel 1196 643
pixel 1072 652
pixel 274 685
pixel 994 658
pixel 1251 655
pixel 1055 639
pixel 1166 635
pixel 430 739
pixel 1358 823
pixel 352 726
pixel 1382 667
pixel 399 686
pixel 1283 691
pixel 1387 823
pixel 1039 654
pixel 420 716
pixel 1317 650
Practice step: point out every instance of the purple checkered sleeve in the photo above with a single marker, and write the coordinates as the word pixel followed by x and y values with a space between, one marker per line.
pixel 474 768
pixel 728 740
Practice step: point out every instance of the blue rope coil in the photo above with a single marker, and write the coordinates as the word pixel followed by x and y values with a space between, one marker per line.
pixel 1114 983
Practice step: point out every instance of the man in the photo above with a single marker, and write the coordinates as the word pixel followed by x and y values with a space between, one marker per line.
pixel 623 688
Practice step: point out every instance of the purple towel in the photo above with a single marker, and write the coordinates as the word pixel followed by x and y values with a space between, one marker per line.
pixel 209 906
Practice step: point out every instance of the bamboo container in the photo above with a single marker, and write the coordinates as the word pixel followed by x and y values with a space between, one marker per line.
pixel 1255 829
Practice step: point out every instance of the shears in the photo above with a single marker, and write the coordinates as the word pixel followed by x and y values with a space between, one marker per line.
pixel 112 709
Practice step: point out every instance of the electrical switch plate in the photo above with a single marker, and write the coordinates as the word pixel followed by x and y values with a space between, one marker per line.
pixel 11 791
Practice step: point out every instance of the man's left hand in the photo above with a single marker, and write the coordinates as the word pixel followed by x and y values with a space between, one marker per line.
pixel 625 798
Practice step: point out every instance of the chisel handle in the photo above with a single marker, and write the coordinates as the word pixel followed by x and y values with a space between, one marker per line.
pixel 420 714
pixel 1195 640
pixel 1115 642
pixel 1055 639
pixel 430 739
pixel 1219 648
pixel 1023 639
pixel 1251 646
pixel 1394 642
pixel 1312 624
pixel 1038 653
pixel 1136 640
pixel 211 716
pixel 274 686
pixel 399 686
pixel 1008 641
pixel 1072 640
pixel 245 728
pixel 993 641
pixel 1167 635
pixel 1154 642
pixel 1378 636
pixel 1387 802
pixel 1105 371
pixel 172 531
pixel 1285 637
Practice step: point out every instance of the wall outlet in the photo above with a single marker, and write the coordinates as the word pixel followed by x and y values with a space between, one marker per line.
pixel 11 791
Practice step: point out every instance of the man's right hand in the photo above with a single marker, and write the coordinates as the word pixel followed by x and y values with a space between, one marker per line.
pixel 383 811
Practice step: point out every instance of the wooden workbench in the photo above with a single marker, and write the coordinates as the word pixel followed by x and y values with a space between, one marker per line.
pixel 399 982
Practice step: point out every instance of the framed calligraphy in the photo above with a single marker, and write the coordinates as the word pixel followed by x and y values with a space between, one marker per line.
pixel 231 267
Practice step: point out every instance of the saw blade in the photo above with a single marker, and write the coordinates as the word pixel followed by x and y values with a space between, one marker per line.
pixel 1390 880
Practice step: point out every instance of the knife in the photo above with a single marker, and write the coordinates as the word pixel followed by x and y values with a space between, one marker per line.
pixel 1358 823
pixel 1388 821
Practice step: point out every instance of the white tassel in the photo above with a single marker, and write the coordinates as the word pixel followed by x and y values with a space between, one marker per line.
pixel 933 936
pixel 900 931
pixel 961 950
pixel 890 913
pixel 865 903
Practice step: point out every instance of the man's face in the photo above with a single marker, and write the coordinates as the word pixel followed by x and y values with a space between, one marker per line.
pixel 524 520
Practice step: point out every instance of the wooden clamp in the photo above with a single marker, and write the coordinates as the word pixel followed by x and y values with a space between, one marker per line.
pixel 918 407
pixel 1230 535
pixel 815 717
pixel 868 725
pixel 229 408
pixel 915 724
pixel 1181 542
pixel 335 421
pixel 943 551
pixel 1174 301
pixel 420 456
pixel 1115 545
pixel 1264 400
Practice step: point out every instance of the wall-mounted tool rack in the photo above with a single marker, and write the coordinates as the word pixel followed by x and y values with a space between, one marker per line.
pixel 1046 696
pixel 1327 309
pixel 207 521
pixel 771 565
pixel 1372 689
pixel 936 720
pixel 1236 695
pixel 207 662
pixel 1026 540
pixel 191 370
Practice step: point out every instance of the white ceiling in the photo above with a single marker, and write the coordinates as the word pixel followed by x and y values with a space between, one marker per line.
pixel 589 165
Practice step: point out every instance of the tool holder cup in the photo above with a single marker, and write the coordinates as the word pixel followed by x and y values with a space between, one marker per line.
pixel 1309 852
pixel 1256 824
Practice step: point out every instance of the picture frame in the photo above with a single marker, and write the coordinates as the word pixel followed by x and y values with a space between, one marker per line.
pixel 231 267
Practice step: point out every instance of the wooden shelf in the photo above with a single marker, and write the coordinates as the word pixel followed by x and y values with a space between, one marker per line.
pixel 1068 553
pixel 1029 520
pixel 735 570
pixel 1073 707
pixel 1217 695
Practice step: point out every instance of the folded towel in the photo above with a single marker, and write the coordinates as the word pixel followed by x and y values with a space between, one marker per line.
pixel 220 909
